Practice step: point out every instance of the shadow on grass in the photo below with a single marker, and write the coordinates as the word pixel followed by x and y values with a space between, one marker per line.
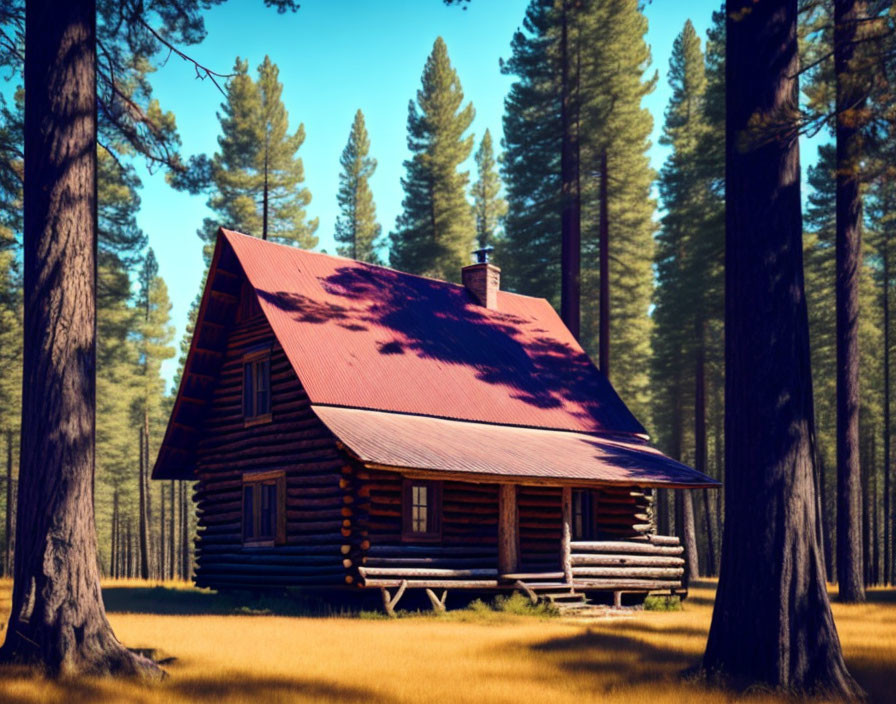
pixel 22 687
pixel 168 601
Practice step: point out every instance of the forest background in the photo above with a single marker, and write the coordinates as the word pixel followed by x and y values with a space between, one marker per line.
pixel 329 68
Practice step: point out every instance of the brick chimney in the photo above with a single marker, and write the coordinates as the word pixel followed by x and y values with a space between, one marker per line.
pixel 483 279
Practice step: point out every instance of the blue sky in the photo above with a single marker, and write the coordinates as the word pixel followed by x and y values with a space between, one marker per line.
pixel 336 56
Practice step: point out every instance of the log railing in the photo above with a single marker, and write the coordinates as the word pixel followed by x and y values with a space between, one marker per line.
pixel 652 564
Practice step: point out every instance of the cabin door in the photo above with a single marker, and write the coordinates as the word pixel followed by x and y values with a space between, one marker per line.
pixel 540 528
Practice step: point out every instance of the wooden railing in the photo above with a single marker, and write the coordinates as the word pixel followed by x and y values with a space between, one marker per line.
pixel 652 564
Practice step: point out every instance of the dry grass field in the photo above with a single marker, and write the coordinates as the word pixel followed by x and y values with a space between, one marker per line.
pixel 221 656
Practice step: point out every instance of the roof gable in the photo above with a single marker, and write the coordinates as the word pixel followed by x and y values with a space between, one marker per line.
pixel 365 336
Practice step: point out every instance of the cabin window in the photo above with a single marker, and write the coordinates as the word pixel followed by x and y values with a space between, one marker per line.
pixel 257 387
pixel 583 514
pixel 422 504
pixel 264 508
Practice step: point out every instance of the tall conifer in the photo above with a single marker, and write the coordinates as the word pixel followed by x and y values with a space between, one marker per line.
pixel 488 206
pixel 357 229
pixel 435 232
pixel 257 175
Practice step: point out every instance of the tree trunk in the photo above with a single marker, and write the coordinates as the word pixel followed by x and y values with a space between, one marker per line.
pixel 570 215
pixel 163 545
pixel 849 262
pixel 604 303
pixel 7 539
pixel 113 542
pixel 888 574
pixel 700 451
pixel 185 532
pixel 826 533
pixel 171 532
pixel 684 515
pixel 143 518
pixel 57 620
pixel 770 626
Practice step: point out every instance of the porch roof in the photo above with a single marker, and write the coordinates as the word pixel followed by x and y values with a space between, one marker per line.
pixel 489 452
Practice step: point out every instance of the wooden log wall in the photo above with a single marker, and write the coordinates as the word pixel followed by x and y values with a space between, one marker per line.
pixel 541 528
pixel 294 441
pixel 469 527
pixel 623 513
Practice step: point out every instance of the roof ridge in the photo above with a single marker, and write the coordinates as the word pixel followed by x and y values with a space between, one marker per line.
pixel 371 265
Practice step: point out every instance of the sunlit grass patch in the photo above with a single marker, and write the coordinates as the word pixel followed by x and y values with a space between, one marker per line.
pixel 493 652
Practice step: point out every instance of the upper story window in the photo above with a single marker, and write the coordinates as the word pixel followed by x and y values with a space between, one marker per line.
pixel 264 514
pixel 422 510
pixel 257 387
pixel 583 524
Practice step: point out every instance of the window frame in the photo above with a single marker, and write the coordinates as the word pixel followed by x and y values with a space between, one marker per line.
pixel 257 480
pixel 252 362
pixel 433 511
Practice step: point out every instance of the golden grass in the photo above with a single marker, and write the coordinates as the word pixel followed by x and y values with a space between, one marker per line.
pixel 512 659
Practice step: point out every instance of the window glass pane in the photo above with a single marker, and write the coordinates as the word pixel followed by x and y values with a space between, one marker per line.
pixel 248 513
pixel 420 508
pixel 263 387
pixel 247 390
pixel 268 510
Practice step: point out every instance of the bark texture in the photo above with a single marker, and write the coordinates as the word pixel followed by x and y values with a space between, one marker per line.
pixel 848 264
pixel 771 626
pixel 570 216
pixel 57 618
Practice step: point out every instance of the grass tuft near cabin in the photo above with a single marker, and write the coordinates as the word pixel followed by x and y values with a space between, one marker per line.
pixel 226 651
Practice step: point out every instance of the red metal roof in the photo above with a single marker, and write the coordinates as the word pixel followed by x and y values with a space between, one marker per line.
pixel 370 337
pixel 420 442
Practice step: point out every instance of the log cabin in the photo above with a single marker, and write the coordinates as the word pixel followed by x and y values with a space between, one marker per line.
pixel 356 427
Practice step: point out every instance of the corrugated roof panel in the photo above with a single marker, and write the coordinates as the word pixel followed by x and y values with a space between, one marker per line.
pixel 371 337
pixel 420 442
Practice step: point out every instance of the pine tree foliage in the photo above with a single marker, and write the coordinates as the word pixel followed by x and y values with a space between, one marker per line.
pixel 357 229
pixel 489 207
pixel 612 60
pixel 529 252
pixel 257 175
pixel 435 232
pixel 615 78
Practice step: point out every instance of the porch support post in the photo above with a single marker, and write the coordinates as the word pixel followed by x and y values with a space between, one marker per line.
pixel 508 530
pixel 566 550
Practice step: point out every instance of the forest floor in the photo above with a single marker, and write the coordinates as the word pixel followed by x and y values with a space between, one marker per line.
pixel 221 652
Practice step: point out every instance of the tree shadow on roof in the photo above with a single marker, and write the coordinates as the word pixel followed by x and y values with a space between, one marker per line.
pixel 440 321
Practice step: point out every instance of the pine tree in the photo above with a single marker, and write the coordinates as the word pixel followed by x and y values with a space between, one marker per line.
pixel 606 41
pixel 616 128
pixel 153 342
pixel 257 175
pixel 356 226
pixel 488 206
pixel 435 232
pixel 689 258
pixel 529 252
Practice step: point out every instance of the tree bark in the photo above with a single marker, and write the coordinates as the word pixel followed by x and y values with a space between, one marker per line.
pixel 57 620
pixel 604 303
pixel 163 545
pixel 885 257
pixel 570 214
pixel 700 451
pixel 143 518
pixel 770 626
pixel 172 532
pixel 184 532
pixel 113 542
pixel 848 265
pixel 8 541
